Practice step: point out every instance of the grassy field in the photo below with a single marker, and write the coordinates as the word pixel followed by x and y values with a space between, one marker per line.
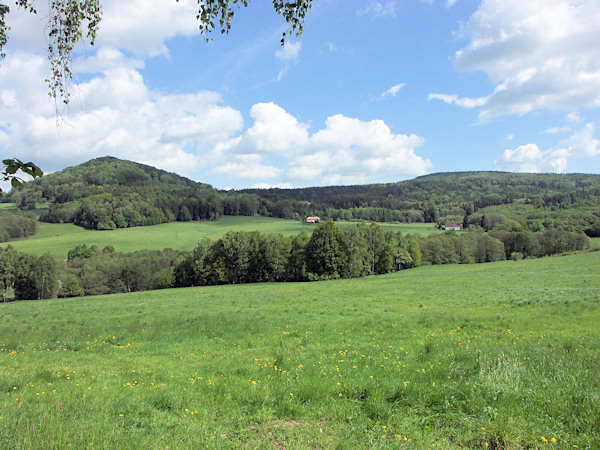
pixel 499 355
pixel 58 239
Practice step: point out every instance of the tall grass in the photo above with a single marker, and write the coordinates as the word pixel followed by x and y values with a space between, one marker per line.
pixel 499 355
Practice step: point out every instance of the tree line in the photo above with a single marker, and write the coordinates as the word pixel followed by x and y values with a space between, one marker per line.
pixel 27 277
pixel 16 225
pixel 249 257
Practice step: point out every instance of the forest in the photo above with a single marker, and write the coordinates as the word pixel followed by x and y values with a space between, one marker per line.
pixel 568 202
pixel 251 257
pixel 108 193
pixel 507 216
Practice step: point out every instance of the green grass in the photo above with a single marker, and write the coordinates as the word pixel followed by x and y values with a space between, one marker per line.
pixel 447 356
pixel 58 239
pixel 595 242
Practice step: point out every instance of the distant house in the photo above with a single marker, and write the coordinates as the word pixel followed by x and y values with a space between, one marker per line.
pixel 452 226
pixel 313 219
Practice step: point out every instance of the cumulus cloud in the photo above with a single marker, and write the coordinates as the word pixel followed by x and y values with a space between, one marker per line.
pixel 378 9
pixel 524 158
pixel 349 151
pixel 104 59
pixel 247 167
pixel 582 143
pixel 137 26
pixel 344 151
pixel 114 114
pixel 540 54
pixel 529 158
pixel 143 26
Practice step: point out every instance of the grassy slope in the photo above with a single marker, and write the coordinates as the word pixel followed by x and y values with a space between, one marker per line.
pixel 448 356
pixel 58 239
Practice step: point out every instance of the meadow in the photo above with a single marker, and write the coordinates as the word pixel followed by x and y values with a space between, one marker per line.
pixel 498 355
pixel 58 239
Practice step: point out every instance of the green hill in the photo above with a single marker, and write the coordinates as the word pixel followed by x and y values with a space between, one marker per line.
pixel 568 202
pixel 108 193
pixel 457 356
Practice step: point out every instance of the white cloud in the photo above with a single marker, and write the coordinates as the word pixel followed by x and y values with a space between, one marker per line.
pixel 113 114
pixel 289 54
pixel 582 143
pixel 540 54
pixel 558 130
pixel 104 59
pixel 393 91
pixel 574 117
pixel 270 186
pixel 274 131
pixel 349 150
pixel 143 26
pixel 448 3
pixel 529 158
pixel 137 26
pixel 378 9
pixel 464 102
pixel 524 158
pixel 345 151
pixel 247 167
pixel 557 161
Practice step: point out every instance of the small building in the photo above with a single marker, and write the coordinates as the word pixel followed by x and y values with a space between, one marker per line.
pixel 313 219
pixel 452 226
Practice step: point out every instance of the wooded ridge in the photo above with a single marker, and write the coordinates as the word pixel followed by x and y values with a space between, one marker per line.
pixel 108 193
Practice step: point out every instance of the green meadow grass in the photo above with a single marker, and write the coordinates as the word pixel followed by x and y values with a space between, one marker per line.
pixel 58 239
pixel 499 355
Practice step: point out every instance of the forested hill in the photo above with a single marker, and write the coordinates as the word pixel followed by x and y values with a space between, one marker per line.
pixel 569 202
pixel 108 193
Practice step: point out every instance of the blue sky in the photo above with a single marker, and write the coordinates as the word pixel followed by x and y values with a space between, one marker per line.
pixel 373 91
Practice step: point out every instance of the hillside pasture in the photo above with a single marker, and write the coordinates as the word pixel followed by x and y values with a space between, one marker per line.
pixel 498 355
pixel 58 239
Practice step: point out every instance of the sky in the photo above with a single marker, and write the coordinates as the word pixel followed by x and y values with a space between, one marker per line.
pixel 372 92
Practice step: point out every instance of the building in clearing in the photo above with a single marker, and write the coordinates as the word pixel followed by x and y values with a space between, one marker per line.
pixel 313 219
pixel 452 226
